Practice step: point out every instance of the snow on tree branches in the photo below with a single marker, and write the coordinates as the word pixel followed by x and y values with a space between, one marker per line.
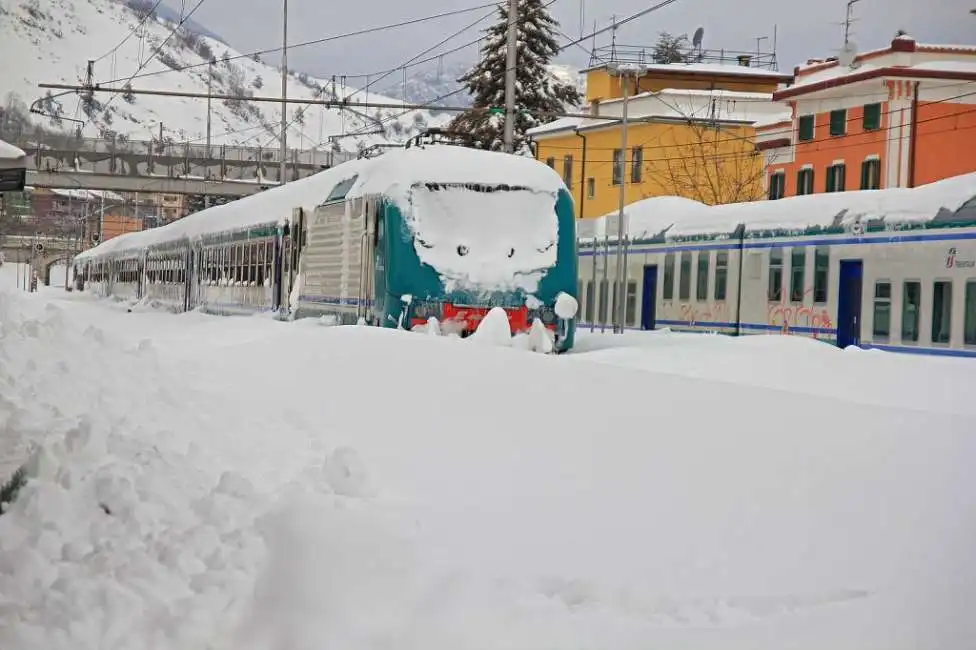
pixel 536 89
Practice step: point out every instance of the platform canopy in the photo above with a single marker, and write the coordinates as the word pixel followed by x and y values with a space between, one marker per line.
pixel 13 168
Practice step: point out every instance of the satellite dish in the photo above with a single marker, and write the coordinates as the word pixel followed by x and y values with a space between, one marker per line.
pixel 696 40
pixel 847 54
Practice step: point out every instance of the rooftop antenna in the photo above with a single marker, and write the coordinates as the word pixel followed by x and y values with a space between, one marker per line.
pixel 848 53
pixel 696 41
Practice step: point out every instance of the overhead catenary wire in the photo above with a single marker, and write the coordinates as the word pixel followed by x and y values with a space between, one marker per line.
pixel 159 48
pixel 317 41
pixel 403 66
pixel 132 32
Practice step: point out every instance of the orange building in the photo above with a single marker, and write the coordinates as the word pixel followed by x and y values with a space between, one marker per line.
pixel 901 116
pixel 114 225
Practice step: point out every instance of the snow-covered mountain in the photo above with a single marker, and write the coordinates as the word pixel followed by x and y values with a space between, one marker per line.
pixel 52 40
pixel 430 85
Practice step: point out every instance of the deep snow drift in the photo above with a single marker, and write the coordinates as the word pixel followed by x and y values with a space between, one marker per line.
pixel 218 483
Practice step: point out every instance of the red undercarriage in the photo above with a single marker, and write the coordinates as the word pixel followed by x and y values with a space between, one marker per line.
pixel 468 318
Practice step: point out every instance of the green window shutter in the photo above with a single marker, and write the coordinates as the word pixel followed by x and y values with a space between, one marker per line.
pixel 806 128
pixel 872 117
pixel 838 122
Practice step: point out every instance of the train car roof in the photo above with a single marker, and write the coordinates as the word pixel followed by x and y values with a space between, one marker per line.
pixel 674 216
pixel 392 174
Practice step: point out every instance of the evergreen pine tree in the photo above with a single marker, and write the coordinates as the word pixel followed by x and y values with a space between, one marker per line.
pixel 536 89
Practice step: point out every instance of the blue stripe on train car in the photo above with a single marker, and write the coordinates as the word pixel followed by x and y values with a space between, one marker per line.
pixel 808 240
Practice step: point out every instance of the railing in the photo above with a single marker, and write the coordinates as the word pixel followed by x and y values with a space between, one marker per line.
pixel 644 55
pixel 35 142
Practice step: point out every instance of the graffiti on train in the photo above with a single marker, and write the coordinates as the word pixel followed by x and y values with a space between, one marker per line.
pixel 692 313
pixel 787 316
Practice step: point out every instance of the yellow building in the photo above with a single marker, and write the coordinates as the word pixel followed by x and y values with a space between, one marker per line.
pixel 690 134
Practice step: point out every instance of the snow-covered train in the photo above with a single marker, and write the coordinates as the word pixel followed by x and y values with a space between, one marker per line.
pixel 435 231
pixel 890 269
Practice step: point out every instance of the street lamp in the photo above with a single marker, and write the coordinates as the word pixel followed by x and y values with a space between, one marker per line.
pixel 623 70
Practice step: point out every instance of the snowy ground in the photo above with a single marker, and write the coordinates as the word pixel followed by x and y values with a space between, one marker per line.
pixel 292 486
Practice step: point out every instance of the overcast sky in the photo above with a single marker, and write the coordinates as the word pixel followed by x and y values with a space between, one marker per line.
pixel 806 28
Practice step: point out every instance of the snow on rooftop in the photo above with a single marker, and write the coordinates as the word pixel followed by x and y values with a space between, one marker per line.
pixel 680 216
pixel 561 124
pixel 10 153
pixel 711 68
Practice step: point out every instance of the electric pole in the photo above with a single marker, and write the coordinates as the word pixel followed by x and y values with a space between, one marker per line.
pixel 511 59
pixel 206 195
pixel 284 90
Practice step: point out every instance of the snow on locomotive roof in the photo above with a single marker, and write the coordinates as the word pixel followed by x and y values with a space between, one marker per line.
pixel 271 205
pixel 394 172
pixel 678 216
pixel 9 153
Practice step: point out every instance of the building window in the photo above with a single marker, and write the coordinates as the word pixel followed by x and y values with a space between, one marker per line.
pixel 941 311
pixel 551 161
pixel 805 127
pixel 777 185
pixel 618 166
pixel 721 274
pixel 969 324
pixel 630 303
pixel 798 264
pixel 838 122
pixel 911 302
pixel 668 291
pixel 836 178
pixel 821 274
pixel 775 292
pixel 684 281
pixel 804 181
pixel 568 170
pixel 871 174
pixel 636 164
pixel 701 284
pixel 882 310
pixel 872 117
pixel 590 188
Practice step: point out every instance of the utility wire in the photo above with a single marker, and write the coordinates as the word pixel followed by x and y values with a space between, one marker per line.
pixel 317 41
pixel 150 13
pixel 158 49
pixel 301 111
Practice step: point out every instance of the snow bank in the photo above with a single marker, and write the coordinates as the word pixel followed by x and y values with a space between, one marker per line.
pixel 695 514
pixel 679 216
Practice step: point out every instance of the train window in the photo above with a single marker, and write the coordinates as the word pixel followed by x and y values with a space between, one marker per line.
pixel 684 280
pixel 701 288
pixel 941 311
pixel 668 290
pixel 604 287
pixel 910 303
pixel 721 274
pixel 630 304
pixel 588 303
pixel 969 324
pixel 821 273
pixel 882 310
pixel 775 291
pixel 798 267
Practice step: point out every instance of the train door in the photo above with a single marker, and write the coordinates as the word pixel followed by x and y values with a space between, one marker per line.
pixel 849 303
pixel 649 298
pixel 379 264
